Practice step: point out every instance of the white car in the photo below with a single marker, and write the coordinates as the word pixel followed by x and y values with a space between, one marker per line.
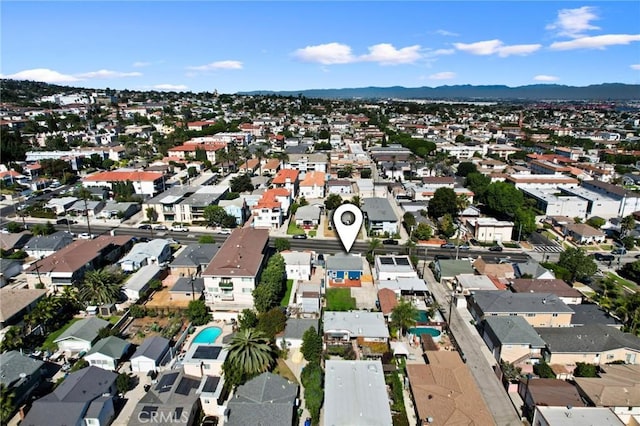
pixel 179 229
pixel 160 228
pixel 85 236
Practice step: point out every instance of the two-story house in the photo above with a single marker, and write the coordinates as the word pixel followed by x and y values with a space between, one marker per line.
pixel 312 186
pixel 235 270
pixel 379 216
pixel 288 179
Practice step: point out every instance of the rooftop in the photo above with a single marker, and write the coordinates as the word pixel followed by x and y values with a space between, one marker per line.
pixel 507 302
pixel 241 254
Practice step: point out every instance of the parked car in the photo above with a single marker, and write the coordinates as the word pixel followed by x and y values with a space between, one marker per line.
pixel 86 236
pixel 619 250
pixel 179 228
pixel 441 257
pixel 604 257
pixel 224 231
pixel 448 246
pixel 390 241
pixel 144 227
pixel 464 247
pixel 495 248
pixel 300 237
pixel 160 228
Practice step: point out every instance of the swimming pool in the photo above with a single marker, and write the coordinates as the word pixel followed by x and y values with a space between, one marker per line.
pixel 433 332
pixel 207 335
pixel 423 317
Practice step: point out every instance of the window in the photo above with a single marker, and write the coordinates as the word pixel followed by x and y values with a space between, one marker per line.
pixel 247 290
pixel 555 315
pixel 531 315
pixel 610 356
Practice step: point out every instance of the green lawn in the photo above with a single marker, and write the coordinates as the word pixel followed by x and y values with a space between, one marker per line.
pixel 285 299
pixel 339 299
pixel 622 282
pixel 48 343
pixel 313 233
pixel 294 229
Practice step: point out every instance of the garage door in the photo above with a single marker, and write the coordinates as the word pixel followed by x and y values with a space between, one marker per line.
pixel 142 366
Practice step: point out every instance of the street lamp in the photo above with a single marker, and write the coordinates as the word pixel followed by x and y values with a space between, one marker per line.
pixel 193 292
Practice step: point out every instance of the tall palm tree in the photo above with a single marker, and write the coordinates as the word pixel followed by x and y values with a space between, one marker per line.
pixel 100 287
pixel 259 153
pixel 374 244
pixel 403 316
pixel 84 194
pixel 462 202
pixel 251 352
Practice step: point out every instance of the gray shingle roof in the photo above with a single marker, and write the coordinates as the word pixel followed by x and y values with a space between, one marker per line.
pixel 265 400
pixel 195 255
pixel 53 242
pixel 590 313
pixel 183 285
pixel 297 326
pixel 588 338
pixel 344 262
pixel 507 302
pixel 378 210
pixel 111 346
pixel 153 348
pixel 13 364
pixel 85 329
pixel 514 330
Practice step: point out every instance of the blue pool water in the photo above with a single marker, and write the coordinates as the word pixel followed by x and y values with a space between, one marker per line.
pixel 424 330
pixel 207 335
pixel 423 317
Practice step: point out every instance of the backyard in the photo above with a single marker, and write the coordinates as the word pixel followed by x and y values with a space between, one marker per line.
pixel 285 299
pixel 48 343
pixel 339 299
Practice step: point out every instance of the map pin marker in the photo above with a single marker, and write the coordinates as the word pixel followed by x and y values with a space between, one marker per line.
pixel 347 220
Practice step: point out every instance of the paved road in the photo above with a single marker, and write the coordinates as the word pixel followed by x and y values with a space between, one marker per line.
pixel 495 396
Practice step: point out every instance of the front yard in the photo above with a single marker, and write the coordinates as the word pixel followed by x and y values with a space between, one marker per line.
pixel 294 229
pixel 48 344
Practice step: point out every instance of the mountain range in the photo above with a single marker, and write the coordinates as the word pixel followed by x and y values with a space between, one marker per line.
pixel 535 92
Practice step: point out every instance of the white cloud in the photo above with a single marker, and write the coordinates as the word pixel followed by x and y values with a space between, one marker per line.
pixel 326 54
pixel 574 22
pixel 43 74
pixel 174 87
pixel 108 74
pixel 444 75
pixel 439 52
pixel 447 33
pixel 219 65
pixel 518 49
pixel 595 42
pixel 386 54
pixel 141 64
pixel 543 77
pixel 635 67
pixel 492 47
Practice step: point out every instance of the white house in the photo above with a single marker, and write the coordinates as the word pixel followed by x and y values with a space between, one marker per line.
pixel 297 265
pixel 488 229
pixel 150 354
pixel 138 283
pixel 339 186
pixel 312 186
pixel 389 267
pixel 106 353
pixel 234 272
pixel 80 335
pixel 144 183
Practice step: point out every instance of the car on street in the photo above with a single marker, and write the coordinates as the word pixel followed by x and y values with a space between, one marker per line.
pixel 604 257
pixel 464 247
pixel 495 248
pixel 441 257
pixel 300 237
pixel 224 231
pixel 179 228
pixel 160 228
pixel 144 227
pixel 85 236
pixel 390 241
pixel 448 246
pixel 620 251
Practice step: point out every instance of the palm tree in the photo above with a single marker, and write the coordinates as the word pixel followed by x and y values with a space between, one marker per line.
pixel 100 287
pixel 6 404
pixel 462 202
pixel 403 316
pixel 374 244
pixel 84 194
pixel 251 352
pixel 12 339
pixel 259 153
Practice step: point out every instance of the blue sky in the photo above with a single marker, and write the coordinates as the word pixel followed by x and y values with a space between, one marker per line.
pixel 277 45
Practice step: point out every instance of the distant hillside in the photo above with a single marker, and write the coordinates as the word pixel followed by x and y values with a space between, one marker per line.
pixel 23 91
pixel 536 92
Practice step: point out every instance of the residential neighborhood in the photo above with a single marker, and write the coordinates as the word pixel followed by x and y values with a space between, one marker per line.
pixel 173 258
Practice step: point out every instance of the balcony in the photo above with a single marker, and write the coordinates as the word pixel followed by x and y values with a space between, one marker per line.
pixel 226 285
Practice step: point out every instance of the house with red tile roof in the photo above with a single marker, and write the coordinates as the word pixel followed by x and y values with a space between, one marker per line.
pixel 272 208
pixel 144 183
pixel 288 179
pixel 312 186
pixel 199 125
pixel 190 149
pixel 271 167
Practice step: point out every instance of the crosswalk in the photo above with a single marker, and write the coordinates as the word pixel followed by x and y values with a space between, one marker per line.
pixel 548 249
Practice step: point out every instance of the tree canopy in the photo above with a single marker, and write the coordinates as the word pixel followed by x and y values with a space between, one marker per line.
pixel 504 198
pixel 577 262
pixel 464 169
pixel 442 203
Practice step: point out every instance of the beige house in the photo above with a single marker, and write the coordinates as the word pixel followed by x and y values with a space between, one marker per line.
pixel 582 233
pixel 512 339
pixel 538 309
pixel 594 344
pixel 488 229
pixel 617 388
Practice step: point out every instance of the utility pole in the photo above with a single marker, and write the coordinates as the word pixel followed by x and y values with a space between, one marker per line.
pixel 424 264
pixel 453 294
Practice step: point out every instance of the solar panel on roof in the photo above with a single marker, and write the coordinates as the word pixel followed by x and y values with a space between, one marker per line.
pixel 207 352
pixel 386 260
pixel 186 385
pixel 402 261
pixel 166 382
pixel 211 384
pixel 147 412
